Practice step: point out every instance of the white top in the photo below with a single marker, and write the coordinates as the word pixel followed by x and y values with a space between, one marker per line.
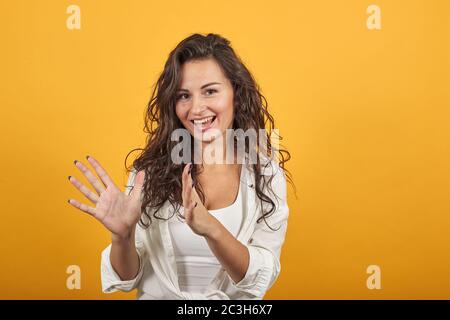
pixel 196 263
pixel 157 276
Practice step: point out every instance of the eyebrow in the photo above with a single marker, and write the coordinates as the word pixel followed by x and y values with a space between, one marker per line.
pixel 203 86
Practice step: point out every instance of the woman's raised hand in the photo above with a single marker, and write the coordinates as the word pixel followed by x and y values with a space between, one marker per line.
pixel 118 212
pixel 197 216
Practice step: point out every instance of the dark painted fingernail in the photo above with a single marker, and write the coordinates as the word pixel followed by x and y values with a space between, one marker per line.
pixel 195 204
pixel 87 157
pixel 70 177
pixel 68 201
pixel 75 162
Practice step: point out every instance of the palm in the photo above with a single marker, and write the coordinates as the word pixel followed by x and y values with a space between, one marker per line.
pixel 117 211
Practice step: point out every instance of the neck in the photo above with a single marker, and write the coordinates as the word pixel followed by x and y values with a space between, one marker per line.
pixel 214 153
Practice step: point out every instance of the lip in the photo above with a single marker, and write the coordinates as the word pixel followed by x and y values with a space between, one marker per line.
pixel 211 115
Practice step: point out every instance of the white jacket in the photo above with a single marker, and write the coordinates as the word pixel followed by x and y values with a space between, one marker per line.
pixel 157 277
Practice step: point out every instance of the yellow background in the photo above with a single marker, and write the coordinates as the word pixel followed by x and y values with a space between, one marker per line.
pixel 364 113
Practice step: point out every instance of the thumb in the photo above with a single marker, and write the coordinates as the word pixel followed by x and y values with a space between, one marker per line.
pixel 138 184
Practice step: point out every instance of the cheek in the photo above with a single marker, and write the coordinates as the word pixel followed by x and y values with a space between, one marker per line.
pixel 181 112
pixel 225 107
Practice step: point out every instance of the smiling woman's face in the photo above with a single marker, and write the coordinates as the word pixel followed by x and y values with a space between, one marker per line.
pixel 205 99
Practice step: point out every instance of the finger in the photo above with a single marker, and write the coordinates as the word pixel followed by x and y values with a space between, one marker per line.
pixel 101 172
pixel 191 180
pixel 184 185
pixel 82 207
pixel 190 211
pixel 189 176
pixel 188 192
pixel 84 190
pixel 194 195
pixel 193 191
pixel 99 187
pixel 138 185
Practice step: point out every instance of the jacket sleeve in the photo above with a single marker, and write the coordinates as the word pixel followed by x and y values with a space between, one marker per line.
pixel 264 250
pixel 111 281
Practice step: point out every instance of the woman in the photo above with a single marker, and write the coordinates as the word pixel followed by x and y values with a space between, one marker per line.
pixel 219 225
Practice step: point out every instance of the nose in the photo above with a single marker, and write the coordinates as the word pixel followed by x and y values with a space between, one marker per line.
pixel 198 106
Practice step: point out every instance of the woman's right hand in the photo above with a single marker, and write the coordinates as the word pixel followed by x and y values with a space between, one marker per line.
pixel 118 212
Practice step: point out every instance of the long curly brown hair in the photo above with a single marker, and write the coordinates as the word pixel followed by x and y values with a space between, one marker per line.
pixel 163 176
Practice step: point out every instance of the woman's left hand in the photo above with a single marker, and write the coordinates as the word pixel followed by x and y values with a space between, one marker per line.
pixel 197 216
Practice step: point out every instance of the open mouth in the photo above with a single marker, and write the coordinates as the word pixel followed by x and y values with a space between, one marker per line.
pixel 205 123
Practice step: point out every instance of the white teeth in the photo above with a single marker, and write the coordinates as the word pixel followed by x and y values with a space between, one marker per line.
pixel 202 121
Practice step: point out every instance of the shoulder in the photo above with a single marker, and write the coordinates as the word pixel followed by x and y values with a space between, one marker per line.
pixel 271 173
pixel 268 165
pixel 130 181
